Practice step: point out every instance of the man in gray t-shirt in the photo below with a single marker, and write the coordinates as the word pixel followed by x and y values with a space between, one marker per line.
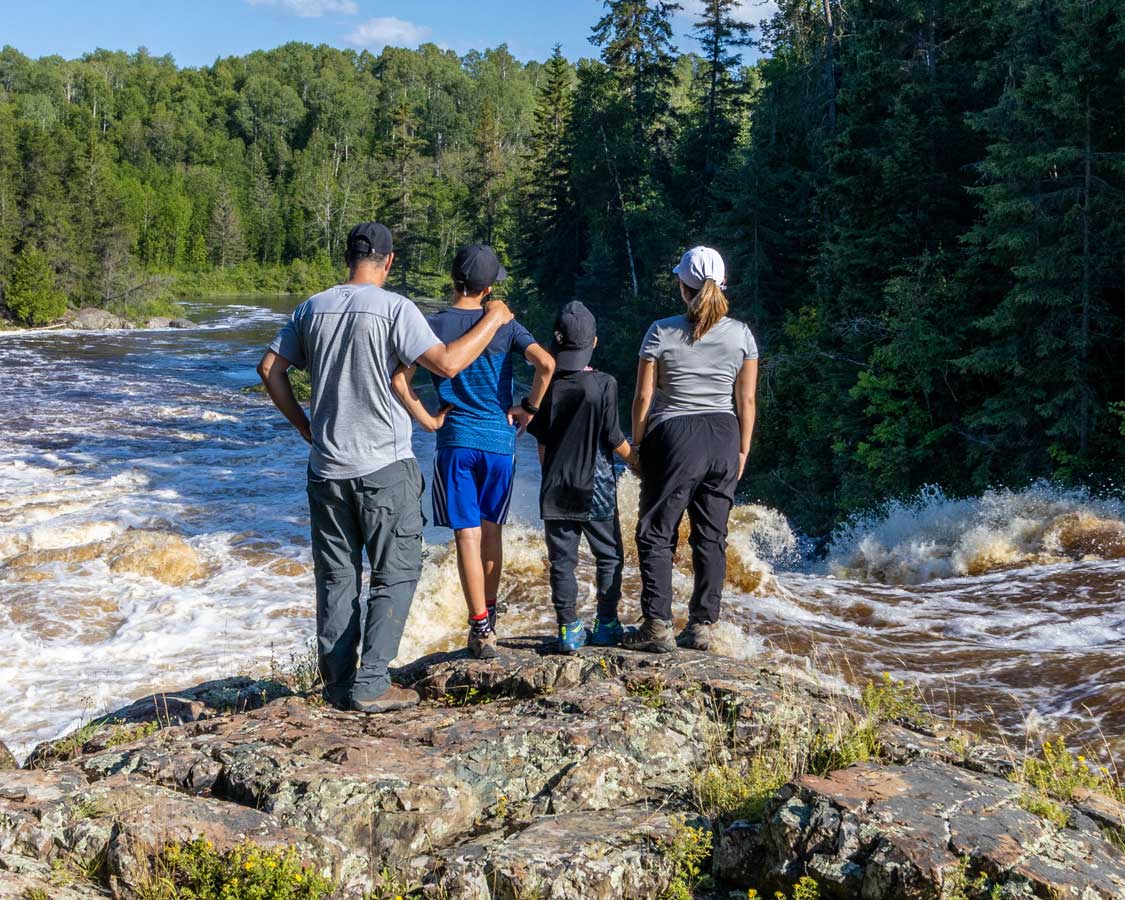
pixel 364 485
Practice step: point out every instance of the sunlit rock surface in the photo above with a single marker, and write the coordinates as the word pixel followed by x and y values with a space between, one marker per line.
pixel 539 775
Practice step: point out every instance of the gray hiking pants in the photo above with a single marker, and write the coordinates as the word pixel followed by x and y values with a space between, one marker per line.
pixel 380 514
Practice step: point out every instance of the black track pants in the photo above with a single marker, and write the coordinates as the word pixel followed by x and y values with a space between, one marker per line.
pixel 689 463
pixel 604 538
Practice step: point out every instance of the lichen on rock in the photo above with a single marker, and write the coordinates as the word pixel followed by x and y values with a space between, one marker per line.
pixel 554 777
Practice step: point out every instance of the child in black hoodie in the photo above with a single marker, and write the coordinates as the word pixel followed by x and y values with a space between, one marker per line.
pixel 578 430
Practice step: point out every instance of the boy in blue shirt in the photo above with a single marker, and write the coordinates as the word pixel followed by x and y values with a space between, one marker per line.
pixel 474 470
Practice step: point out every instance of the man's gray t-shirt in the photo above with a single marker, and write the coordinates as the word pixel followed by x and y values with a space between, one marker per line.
pixel 695 377
pixel 351 339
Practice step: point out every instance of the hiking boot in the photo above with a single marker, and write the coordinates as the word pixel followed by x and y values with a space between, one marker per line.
pixel 572 637
pixel 696 636
pixel 606 634
pixel 483 645
pixel 391 699
pixel 653 636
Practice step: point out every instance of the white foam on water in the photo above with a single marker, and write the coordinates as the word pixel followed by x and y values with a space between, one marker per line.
pixel 934 537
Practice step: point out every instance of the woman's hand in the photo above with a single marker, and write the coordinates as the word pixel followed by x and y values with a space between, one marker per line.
pixel 742 457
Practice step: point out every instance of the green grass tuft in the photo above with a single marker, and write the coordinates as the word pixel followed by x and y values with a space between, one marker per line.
pixel 197 871
pixel 686 849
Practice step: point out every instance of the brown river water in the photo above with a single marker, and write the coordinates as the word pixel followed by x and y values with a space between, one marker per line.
pixel 153 534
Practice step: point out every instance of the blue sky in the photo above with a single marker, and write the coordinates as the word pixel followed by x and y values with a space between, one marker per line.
pixel 197 32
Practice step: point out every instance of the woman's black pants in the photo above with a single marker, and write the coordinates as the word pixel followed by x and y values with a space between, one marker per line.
pixel 688 463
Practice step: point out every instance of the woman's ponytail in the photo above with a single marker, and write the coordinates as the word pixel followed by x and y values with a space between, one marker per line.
pixel 708 306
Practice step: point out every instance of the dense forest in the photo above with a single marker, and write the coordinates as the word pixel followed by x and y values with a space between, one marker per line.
pixel 922 205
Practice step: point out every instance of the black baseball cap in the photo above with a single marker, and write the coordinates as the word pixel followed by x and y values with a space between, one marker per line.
pixel 370 237
pixel 478 268
pixel 576 331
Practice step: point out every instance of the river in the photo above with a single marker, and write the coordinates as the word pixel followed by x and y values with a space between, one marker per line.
pixel 153 534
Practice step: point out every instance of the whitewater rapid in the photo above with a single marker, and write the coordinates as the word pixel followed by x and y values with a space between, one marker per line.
pixel 153 534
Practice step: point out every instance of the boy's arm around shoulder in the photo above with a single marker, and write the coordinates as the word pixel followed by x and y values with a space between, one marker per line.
pixel 404 390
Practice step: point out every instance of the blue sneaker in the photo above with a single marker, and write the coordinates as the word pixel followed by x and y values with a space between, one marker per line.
pixel 572 637
pixel 606 634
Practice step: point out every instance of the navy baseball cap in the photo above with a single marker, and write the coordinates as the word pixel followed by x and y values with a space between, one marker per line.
pixel 478 268
pixel 576 332
pixel 370 237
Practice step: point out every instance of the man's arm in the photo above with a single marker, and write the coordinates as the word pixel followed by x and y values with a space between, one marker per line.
pixel 544 369
pixel 448 360
pixel 274 372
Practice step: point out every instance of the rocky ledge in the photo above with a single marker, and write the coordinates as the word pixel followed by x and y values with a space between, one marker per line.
pixel 90 318
pixel 607 774
pixel 93 319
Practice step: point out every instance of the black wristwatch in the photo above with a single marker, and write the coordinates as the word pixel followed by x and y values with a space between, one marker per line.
pixel 527 407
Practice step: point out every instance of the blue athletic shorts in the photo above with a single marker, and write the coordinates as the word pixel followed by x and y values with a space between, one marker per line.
pixel 471 486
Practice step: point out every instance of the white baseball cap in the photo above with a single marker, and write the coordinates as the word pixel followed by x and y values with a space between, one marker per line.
pixel 699 264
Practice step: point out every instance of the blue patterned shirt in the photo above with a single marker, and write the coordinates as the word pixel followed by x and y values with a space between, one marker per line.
pixel 482 394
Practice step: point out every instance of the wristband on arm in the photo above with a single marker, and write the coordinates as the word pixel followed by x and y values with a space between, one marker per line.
pixel 527 407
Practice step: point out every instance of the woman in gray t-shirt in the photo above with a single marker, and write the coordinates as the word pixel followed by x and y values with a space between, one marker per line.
pixel 693 416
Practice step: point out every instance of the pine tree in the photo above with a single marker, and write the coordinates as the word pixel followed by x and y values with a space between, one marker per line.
pixel 31 295
pixel 636 41
pixel 552 239
pixel 227 246
pixel 1051 198
pixel 720 32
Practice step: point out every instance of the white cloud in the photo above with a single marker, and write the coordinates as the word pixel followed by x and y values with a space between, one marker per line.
pixel 375 34
pixel 310 9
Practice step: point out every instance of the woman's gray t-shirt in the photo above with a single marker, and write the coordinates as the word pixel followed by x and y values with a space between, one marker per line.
pixel 695 377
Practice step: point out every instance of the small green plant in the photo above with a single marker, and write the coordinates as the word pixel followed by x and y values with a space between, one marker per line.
pixel 301 673
pixel 35 894
pixel 67 747
pixel 391 885
pixel 892 701
pixel 197 871
pixel 805 889
pixel 465 695
pixel 1116 837
pixel 961 884
pixel 298 379
pixel 126 734
pixel 730 794
pixel 650 691
pixel 1058 773
pixel 686 850
pixel 836 750
pixel 1046 808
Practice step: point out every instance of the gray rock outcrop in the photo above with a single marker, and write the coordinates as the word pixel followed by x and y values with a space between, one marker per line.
pixel 546 776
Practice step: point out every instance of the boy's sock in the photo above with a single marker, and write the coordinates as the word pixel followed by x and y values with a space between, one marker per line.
pixel 480 625
pixel 490 610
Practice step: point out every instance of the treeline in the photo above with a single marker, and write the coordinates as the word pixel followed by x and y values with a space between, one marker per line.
pixel 922 204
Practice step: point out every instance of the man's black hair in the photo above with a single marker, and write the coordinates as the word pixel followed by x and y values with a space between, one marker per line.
pixel 355 259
